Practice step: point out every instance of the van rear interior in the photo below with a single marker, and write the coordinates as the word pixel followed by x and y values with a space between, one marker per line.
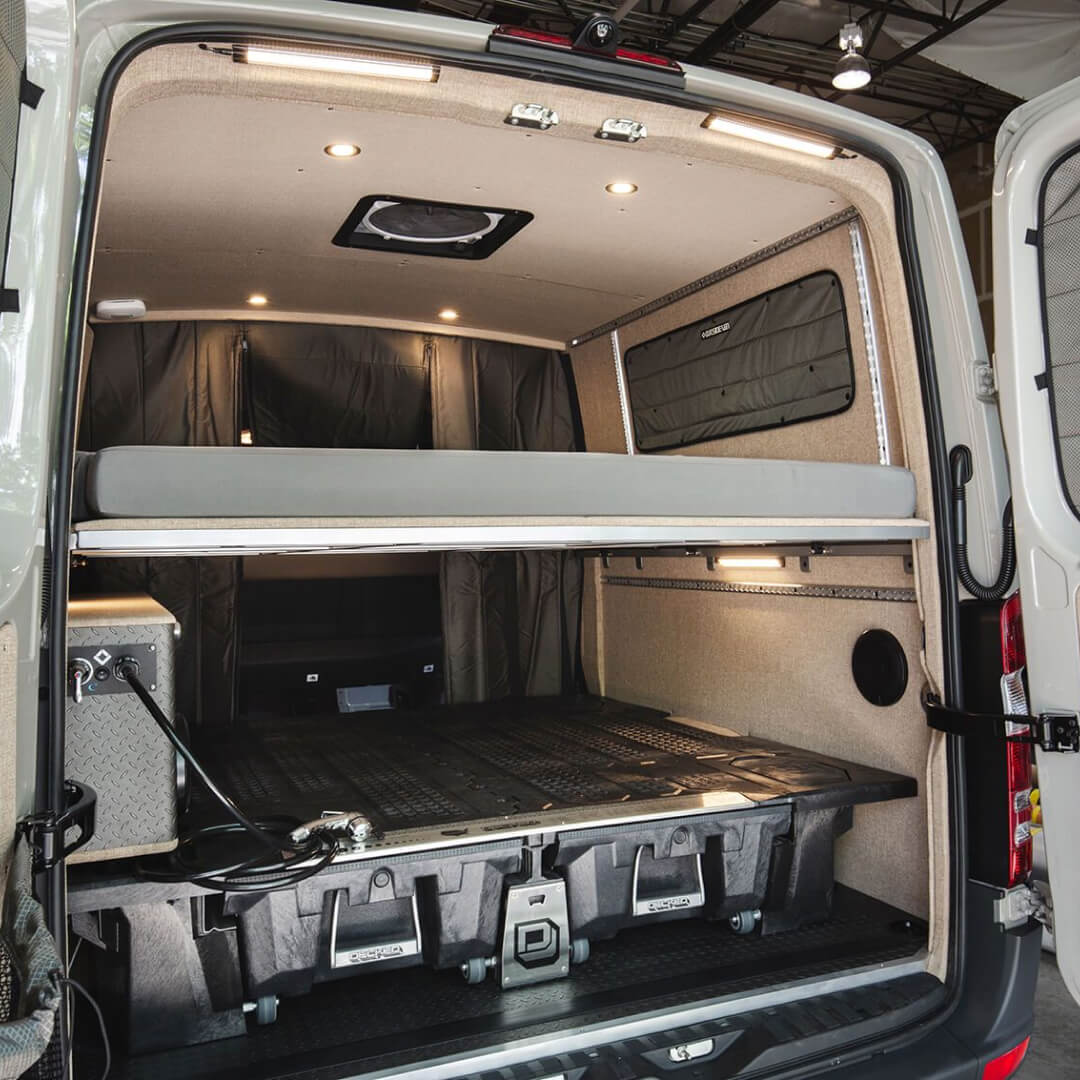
pixel 571 550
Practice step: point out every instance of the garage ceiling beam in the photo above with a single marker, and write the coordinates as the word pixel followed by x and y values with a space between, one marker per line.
pixel 903 11
pixel 742 19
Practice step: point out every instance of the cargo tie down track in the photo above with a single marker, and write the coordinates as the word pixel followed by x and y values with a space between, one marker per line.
pixel 456 774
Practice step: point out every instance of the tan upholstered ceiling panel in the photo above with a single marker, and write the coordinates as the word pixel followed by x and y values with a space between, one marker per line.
pixel 216 186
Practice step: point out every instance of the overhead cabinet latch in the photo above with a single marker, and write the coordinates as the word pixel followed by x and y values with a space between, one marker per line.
pixel 1055 733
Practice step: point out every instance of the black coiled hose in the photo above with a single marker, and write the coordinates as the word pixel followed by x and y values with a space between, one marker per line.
pixel 279 861
pixel 960 464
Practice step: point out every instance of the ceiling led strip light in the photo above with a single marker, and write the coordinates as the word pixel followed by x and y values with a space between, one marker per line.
pixel 341 63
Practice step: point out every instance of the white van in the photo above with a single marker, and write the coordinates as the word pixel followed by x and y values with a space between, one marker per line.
pixel 509 565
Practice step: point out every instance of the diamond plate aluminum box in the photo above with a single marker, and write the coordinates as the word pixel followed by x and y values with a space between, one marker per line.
pixel 113 744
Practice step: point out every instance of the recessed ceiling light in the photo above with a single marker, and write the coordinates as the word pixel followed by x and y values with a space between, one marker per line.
pixel 448 314
pixel 621 187
pixel 257 300
pixel 341 150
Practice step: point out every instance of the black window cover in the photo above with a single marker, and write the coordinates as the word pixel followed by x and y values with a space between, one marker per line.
pixel 782 357
pixel 1059 239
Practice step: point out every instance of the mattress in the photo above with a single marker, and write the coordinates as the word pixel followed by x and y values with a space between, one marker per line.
pixel 264 482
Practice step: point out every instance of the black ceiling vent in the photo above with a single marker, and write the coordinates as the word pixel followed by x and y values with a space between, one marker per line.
pixel 423 227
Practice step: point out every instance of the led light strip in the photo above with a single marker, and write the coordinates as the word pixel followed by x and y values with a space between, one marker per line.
pixel 862 278
pixel 771 135
pixel 818 592
pixel 624 398
pixel 340 63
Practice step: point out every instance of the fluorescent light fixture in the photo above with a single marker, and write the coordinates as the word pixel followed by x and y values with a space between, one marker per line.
pixel 751 562
pixel 767 133
pixel 120 309
pixel 448 314
pixel 341 150
pixel 257 300
pixel 621 187
pixel 336 62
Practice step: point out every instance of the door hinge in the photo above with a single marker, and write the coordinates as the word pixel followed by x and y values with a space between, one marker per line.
pixel 1017 905
pixel 45 831
pixel 985 380
pixel 1054 733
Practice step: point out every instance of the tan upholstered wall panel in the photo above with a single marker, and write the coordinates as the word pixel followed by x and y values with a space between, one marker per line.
pixel 847 436
pixel 780 667
pixel 598 396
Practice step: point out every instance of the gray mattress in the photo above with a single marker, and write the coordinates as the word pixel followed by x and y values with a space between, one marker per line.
pixel 253 482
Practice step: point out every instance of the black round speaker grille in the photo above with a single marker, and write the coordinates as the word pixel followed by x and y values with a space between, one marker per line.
pixel 880 667
pixel 419 221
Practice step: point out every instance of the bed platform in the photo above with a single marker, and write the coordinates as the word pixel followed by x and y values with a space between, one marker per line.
pixel 207 500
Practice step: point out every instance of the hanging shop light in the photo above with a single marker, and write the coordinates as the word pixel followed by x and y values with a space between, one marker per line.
pixel 852 70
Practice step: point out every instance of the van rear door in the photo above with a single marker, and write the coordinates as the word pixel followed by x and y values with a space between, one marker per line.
pixel 1036 223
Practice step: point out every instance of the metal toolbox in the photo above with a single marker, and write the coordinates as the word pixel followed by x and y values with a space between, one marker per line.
pixel 113 744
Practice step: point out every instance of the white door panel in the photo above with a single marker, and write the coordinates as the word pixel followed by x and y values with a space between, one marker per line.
pixel 1034 141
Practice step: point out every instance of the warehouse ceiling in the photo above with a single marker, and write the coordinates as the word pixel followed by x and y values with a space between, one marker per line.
pixel 794 44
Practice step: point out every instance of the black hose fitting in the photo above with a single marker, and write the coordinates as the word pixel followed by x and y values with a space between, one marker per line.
pixel 961 469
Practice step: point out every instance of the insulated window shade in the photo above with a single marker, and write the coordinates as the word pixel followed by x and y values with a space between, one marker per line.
pixel 780 358
pixel 1059 238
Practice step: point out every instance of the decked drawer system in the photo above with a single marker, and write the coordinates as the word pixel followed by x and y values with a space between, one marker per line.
pixel 505 837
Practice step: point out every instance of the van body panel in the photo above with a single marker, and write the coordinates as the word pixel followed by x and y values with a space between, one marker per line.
pixel 1047 529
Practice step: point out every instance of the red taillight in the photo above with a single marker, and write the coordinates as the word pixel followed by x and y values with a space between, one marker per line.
pixel 537 37
pixel 565 44
pixel 635 57
pixel 1017 755
pixel 1013 652
pixel 1003 1066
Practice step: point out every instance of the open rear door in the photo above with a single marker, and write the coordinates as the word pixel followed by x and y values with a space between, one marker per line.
pixel 30 991
pixel 1036 210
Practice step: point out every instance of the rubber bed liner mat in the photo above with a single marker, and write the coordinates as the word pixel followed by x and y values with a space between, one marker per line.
pixel 401 1017
pixel 521 756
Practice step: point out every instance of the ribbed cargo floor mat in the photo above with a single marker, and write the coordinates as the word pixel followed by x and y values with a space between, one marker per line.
pixel 409 770
pixel 384 1021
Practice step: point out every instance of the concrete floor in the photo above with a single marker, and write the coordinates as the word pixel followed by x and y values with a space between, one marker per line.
pixel 1054 1053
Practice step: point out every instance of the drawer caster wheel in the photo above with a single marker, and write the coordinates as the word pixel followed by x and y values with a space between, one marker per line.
pixel 266 1009
pixel 743 922
pixel 474 970
pixel 579 950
